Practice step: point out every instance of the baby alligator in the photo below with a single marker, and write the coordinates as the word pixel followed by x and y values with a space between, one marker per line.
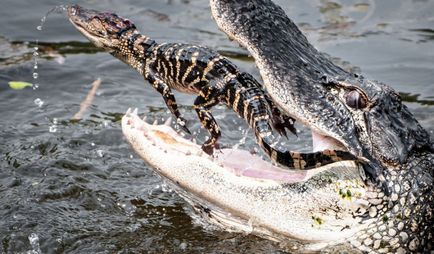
pixel 201 71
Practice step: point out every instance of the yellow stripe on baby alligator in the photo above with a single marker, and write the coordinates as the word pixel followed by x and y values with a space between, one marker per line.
pixel 210 66
pixel 332 154
pixel 298 161
pixel 190 68
pixel 246 104
pixel 178 63
pixel 237 98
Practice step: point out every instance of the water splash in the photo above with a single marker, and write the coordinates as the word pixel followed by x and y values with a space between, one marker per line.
pixel 242 141
pixel 39 102
pixel 100 153
pixel 56 9
pixel 53 126
pixel 34 242
pixel 128 208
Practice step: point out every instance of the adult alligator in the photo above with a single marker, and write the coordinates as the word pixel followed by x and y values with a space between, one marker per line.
pixel 362 116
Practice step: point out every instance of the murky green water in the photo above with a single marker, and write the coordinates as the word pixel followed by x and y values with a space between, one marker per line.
pixel 68 186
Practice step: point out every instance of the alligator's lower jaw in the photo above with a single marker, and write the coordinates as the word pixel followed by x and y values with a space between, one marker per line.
pixel 244 193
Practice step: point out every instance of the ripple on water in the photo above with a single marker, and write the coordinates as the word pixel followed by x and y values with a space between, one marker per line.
pixel 57 188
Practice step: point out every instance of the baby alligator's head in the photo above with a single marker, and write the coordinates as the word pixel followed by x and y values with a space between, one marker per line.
pixel 104 29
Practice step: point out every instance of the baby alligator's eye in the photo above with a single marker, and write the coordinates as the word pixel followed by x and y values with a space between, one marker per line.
pixel 355 100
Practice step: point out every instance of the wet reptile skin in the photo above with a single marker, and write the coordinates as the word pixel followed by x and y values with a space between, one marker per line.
pixel 366 116
pixel 203 72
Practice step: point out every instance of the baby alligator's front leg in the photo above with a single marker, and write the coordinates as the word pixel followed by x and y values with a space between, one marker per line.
pixel 208 97
pixel 169 99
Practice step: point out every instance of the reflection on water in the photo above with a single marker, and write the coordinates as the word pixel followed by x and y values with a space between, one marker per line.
pixel 74 186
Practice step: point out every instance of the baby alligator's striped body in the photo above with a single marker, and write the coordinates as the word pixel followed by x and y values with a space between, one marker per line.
pixel 201 71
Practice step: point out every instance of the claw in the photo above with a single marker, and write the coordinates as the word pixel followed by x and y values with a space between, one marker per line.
pixel 184 128
pixel 182 123
pixel 284 133
pixel 135 111
pixel 281 124
pixel 292 129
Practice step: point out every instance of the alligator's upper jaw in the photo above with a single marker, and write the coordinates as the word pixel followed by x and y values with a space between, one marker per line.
pixel 244 193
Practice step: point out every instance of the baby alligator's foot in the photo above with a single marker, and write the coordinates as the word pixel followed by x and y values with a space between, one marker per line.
pixel 282 123
pixel 183 124
pixel 209 148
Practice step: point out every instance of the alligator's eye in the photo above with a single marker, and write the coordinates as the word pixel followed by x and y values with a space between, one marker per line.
pixel 355 100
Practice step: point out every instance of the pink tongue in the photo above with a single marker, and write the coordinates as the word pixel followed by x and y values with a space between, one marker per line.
pixel 244 163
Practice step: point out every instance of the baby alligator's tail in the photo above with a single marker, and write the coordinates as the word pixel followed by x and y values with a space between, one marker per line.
pixel 246 96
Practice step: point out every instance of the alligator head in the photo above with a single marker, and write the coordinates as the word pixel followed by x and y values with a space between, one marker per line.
pixel 365 117
pixel 105 30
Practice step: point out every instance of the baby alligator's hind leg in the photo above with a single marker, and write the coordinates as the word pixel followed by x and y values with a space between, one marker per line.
pixel 208 98
pixel 169 99
pixel 280 121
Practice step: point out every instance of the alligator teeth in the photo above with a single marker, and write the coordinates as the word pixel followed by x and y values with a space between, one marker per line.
pixel 144 118
pixel 128 112
pixel 155 122
pixel 168 121
pixel 135 111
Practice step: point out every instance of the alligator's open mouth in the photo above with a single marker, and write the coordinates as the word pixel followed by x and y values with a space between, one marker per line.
pixel 239 162
pixel 242 192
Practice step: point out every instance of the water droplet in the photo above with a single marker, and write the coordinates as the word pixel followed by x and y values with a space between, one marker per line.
pixel 128 208
pixel 131 156
pixel 100 153
pixel 33 238
pixel 52 128
pixel 39 102
pixel 183 246
pixel 34 242
pixel 39 28
pixel 43 19
pixel 35 66
pixel 35 48
pixel 92 144
pixel 35 75
pixel 35 86
pixel 35 53
pixel 55 121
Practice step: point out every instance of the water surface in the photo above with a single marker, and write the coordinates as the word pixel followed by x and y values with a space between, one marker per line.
pixel 76 186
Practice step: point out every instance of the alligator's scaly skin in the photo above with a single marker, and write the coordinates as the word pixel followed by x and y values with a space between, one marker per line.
pixel 203 72
pixel 367 117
